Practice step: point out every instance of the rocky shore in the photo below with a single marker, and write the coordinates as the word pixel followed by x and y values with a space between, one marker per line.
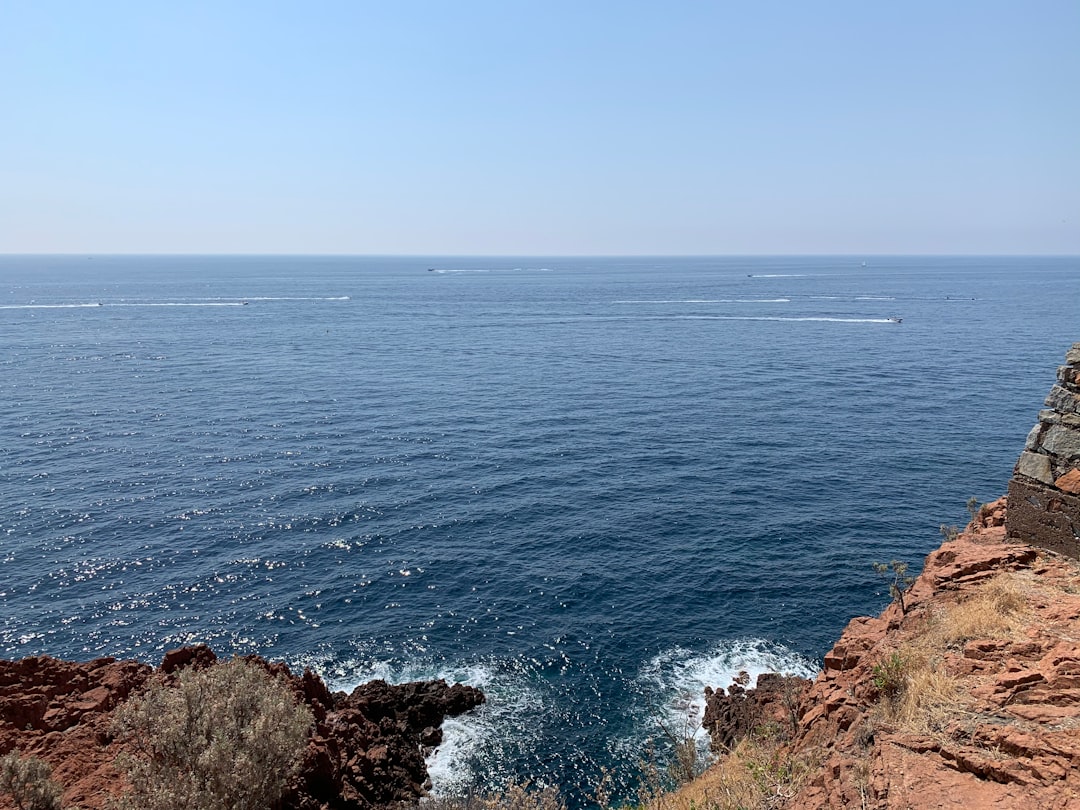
pixel 965 693
pixel 996 716
pixel 367 749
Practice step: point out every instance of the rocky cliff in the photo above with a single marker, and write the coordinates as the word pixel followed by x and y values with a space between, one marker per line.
pixel 367 749
pixel 965 693
pixel 969 699
pixel 1044 493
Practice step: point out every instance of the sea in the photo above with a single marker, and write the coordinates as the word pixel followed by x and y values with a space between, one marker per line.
pixel 589 486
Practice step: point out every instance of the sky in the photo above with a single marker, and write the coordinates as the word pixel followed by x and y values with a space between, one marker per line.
pixel 583 127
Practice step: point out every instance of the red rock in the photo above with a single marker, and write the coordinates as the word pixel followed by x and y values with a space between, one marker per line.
pixel 1013 680
pixel 1069 482
pixel 61 711
pixel 1016 745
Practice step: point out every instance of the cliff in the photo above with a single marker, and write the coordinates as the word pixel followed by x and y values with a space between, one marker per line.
pixel 969 699
pixel 965 693
pixel 1044 493
pixel 367 748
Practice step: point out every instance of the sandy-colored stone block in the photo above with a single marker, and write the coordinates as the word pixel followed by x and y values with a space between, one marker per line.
pixel 1035 465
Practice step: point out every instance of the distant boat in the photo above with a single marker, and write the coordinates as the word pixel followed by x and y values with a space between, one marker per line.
pixel 431 269
pixel 896 320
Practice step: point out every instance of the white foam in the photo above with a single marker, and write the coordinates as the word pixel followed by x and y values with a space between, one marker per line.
pixel 779 318
pixel 183 302
pixel 777 275
pixel 177 304
pixel 444 270
pixel 675 682
pixel 708 301
pixel 296 298
pixel 127 304
pixel 509 698
pixel 46 306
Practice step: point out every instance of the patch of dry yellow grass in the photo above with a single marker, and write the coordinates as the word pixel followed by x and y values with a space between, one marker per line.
pixel 925 696
pixel 993 610
pixel 758 774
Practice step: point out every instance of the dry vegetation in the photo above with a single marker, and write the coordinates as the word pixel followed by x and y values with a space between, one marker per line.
pixel 759 772
pixel 29 783
pixel 224 738
pixel 918 693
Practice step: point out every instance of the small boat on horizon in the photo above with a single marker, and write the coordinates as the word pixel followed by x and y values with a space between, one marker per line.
pixel 896 320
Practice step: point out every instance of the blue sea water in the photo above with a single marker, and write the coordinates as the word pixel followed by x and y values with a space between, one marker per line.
pixel 589 486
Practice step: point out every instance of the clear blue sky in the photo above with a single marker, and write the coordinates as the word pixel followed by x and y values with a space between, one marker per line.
pixel 580 127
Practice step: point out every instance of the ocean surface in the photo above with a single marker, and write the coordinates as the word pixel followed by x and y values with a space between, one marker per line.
pixel 588 486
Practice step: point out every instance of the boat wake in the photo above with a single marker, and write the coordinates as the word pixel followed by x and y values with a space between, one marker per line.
pixel 707 301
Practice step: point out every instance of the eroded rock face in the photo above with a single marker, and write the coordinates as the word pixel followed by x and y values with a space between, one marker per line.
pixel 1015 741
pixel 1044 493
pixel 367 749
pixel 731 716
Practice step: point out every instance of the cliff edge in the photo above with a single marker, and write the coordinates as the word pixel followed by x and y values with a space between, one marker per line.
pixel 963 693
pixel 968 699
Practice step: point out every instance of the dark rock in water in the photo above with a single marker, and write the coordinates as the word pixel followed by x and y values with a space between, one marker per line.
pixel 1044 493
pixel 366 750
pixel 198 656
pixel 731 716
pixel 369 751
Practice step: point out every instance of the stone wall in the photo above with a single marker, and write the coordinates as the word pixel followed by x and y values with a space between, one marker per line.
pixel 1044 493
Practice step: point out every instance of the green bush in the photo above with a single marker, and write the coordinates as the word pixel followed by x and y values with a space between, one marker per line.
pixel 890 676
pixel 29 782
pixel 228 737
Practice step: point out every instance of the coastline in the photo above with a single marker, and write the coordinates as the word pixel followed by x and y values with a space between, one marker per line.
pixel 963 693
pixel 985 711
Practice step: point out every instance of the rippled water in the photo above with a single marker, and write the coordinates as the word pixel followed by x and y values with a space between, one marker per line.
pixel 589 486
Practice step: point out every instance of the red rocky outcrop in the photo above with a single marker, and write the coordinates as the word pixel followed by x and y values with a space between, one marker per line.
pixel 1014 740
pixel 367 748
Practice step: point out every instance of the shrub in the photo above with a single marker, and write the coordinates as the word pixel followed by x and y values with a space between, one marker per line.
pixel 901 583
pixel 29 782
pixel 973 506
pixel 889 676
pixel 228 737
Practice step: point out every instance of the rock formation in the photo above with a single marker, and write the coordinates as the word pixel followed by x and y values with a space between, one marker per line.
pixel 1044 493
pixel 1000 728
pixel 367 749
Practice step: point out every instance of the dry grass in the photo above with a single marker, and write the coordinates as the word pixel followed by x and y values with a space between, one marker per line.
pixel 758 774
pixel 994 610
pixel 931 697
pixel 919 694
